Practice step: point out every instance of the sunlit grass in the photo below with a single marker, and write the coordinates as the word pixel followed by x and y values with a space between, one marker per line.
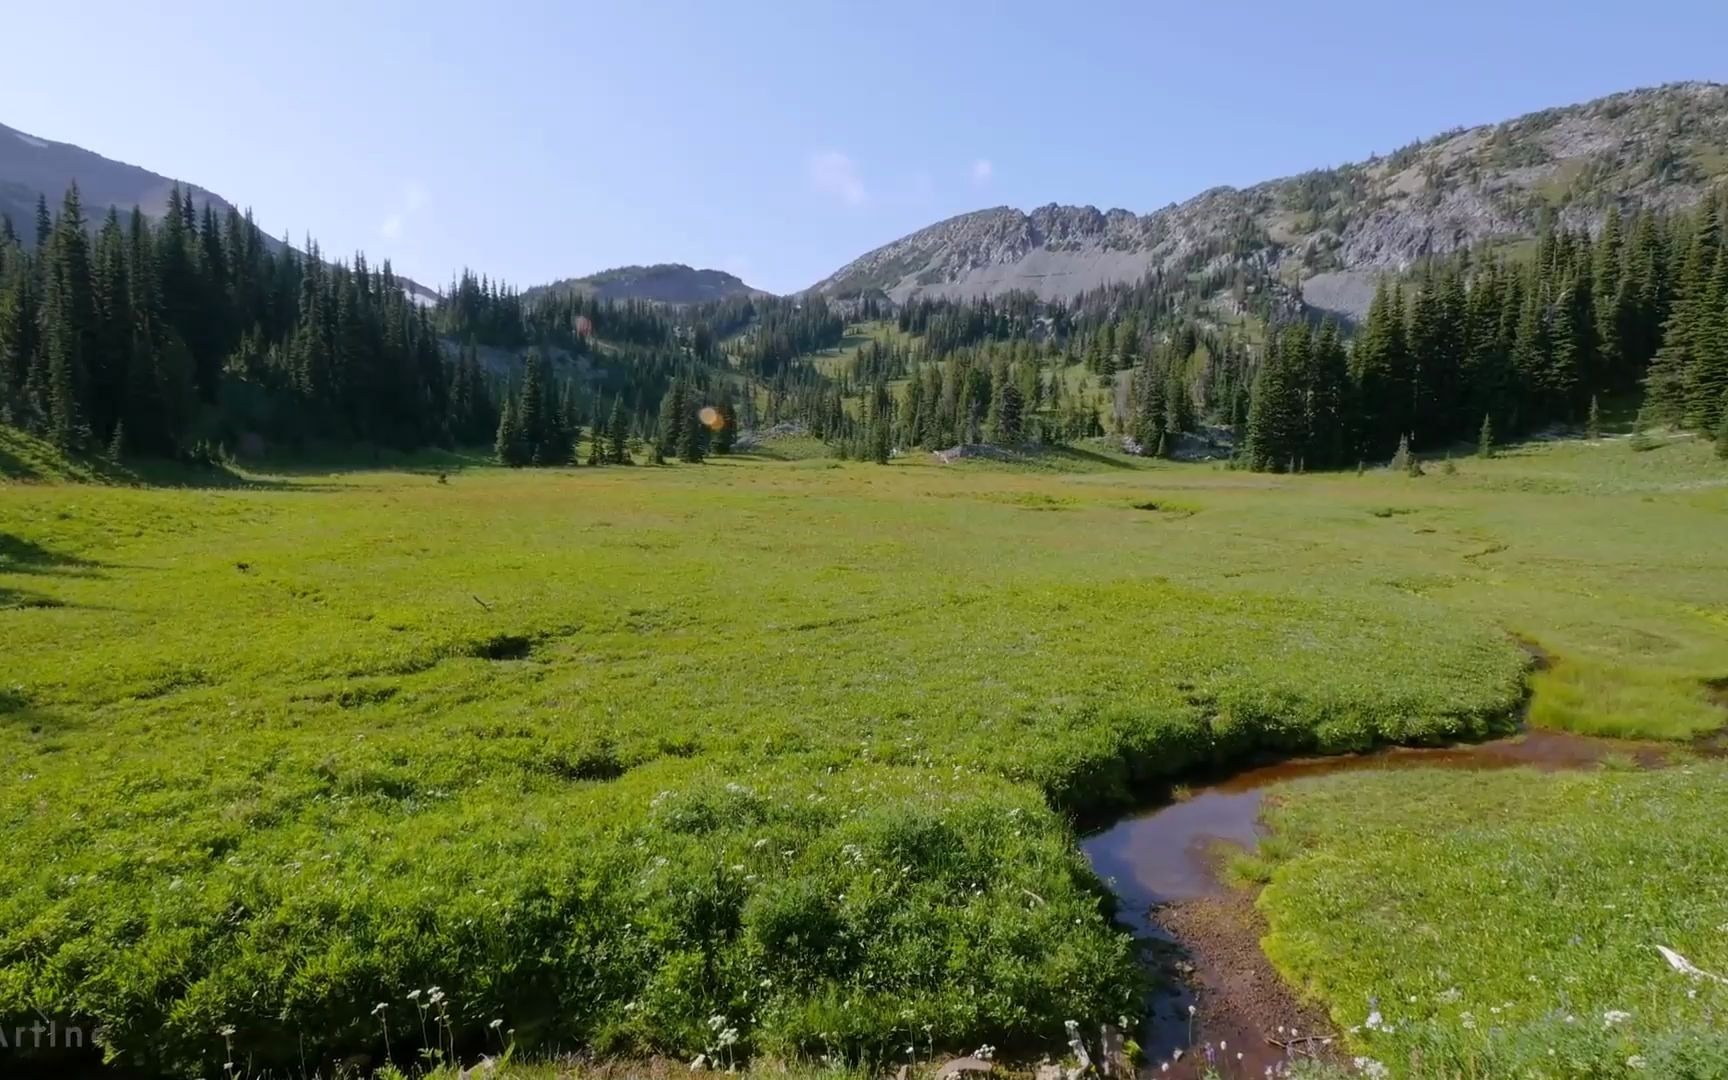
pixel 1506 924
pixel 607 753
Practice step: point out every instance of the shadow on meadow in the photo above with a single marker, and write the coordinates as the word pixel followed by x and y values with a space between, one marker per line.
pixel 54 468
pixel 341 460
pixel 20 717
pixel 27 459
pixel 1081 455
pixel 21 556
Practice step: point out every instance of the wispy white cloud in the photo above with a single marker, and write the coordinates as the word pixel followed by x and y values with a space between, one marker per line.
pixel 414 198
pixel 837 175
pixel 982 171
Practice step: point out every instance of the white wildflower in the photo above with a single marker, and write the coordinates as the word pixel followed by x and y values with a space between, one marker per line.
pixel 1615 1016
pixel 1372 1069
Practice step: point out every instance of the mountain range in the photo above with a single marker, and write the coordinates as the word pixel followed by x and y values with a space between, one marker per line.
pixel 1326 234
pixel 1332 231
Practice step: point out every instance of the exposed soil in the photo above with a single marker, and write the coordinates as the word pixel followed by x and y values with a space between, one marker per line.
pixel 1241 1003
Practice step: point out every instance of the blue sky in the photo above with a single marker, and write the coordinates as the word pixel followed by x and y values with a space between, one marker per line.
pixel 536 140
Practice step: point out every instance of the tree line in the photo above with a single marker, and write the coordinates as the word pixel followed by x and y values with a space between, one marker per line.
pixel 189 335
pixel 1489 343
pixel 175 337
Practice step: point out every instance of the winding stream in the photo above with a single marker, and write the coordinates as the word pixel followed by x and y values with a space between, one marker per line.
pixel 1162 859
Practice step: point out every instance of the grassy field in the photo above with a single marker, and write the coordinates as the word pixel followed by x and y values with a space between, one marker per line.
pixel 1506 924
pixel 608 754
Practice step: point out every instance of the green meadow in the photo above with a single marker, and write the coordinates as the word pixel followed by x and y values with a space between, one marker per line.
pixel 774 746
pixel 1507 923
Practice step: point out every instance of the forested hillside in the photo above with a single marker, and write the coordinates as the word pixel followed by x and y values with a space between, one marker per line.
pixel 182 337
pixel 1476 348
pixel 195 337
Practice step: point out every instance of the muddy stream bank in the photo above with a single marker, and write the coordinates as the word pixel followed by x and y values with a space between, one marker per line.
pixel 1202 937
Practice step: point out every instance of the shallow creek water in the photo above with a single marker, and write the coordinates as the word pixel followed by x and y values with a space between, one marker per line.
pixel 1164 858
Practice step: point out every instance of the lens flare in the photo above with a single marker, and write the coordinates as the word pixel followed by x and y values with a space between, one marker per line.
pixel 710 417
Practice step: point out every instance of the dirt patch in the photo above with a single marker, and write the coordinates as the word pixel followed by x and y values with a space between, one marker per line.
pixel 1240 1001
pixel 503 647
pixel 1716 690
pixel 1165 509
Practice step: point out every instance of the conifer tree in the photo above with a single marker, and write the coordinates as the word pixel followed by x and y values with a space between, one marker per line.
pixel 1275 424
pixel 44 224
pixel 1178 405
pixel 726 433
pixel 1151 411
pixel 70 314
pixel 1608 291
pixel 508 446
pixel 879 421
pixel 693 441
pixel 1707 382
pixel 1005 412
pixel 20 340
pixel 669 438
pixel 1673 389
pixel 1382 372
pixel 1325 393
pixel 63 419
pixel 1485 438
pixel 618 434
pixel 533 418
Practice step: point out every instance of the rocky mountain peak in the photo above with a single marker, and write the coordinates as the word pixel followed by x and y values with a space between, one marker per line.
pixel 1333 231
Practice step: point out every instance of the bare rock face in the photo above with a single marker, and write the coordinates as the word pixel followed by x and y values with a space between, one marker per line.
pixel 1338 228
